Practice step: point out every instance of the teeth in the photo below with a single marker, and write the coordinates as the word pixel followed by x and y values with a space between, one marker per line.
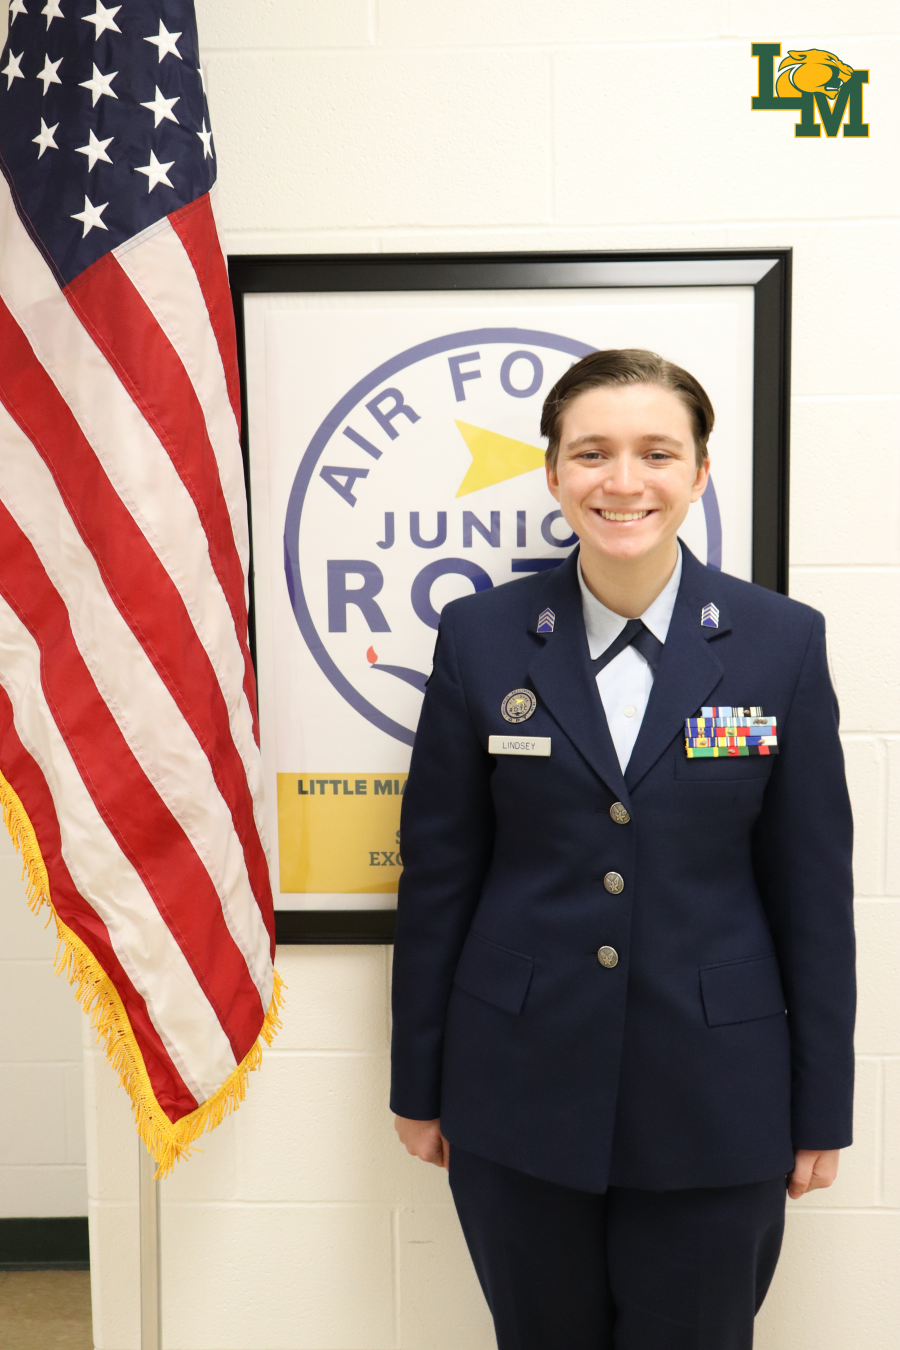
pixel 624 515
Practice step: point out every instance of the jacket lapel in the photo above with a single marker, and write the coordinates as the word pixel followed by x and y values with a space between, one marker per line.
pixel 688 671
pixel 561 675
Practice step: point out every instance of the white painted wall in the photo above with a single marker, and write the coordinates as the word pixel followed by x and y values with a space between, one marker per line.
pixel 368 125
pixel 42 1172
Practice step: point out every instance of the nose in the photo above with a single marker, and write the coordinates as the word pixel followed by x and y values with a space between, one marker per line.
pixel 622 479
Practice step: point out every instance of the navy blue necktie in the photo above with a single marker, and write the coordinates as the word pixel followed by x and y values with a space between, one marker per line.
pixel 634 634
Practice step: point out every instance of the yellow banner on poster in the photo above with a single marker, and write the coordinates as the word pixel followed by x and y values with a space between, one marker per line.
pixel 340 833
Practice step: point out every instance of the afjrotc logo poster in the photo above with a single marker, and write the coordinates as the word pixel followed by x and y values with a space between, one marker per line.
pixel 397 463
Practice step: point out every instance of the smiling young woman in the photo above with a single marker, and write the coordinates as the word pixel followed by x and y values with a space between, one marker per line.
pixel 625 461
pixel 623 974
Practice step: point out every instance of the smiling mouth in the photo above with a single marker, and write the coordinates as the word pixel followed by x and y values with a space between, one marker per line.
pixel 623 515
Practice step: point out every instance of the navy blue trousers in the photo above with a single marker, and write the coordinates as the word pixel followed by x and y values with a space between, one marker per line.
pixel 628 1270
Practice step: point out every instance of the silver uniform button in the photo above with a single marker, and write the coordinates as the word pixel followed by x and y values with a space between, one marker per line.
pixel 619 814
pixel 608 957
pixel 613 883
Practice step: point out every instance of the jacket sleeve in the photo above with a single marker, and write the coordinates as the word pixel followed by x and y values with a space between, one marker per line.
pixel 802 857
pixel 446 837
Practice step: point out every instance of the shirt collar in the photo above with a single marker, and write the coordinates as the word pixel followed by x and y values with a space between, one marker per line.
pixel 603 626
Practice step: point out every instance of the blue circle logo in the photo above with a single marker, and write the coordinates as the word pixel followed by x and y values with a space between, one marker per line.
pixel 425 481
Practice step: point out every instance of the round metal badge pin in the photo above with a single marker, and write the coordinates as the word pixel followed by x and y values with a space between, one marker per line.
pixel 518 705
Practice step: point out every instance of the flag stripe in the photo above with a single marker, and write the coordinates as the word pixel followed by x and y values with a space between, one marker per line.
pixel 158 738
pixel 170 1090
pixel 135 462
pixel 107 880
pixel 125 331
pixel 136 582
pixel 196 228
pixel 143 826
pixel 163 274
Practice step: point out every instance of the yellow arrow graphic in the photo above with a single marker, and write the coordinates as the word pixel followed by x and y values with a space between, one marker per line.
pixel 495 458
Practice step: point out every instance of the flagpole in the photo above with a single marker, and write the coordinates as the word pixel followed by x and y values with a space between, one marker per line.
pixel 151 1306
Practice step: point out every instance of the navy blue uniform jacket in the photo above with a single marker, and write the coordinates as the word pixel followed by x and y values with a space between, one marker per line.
pixel 722 1039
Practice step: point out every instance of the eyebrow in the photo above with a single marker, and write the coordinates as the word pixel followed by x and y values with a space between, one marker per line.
pixel 592 438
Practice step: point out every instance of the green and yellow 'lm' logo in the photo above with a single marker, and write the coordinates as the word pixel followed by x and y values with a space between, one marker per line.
pixel 811 81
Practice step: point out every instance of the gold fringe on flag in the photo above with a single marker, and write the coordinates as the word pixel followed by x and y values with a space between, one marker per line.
pixel 98 996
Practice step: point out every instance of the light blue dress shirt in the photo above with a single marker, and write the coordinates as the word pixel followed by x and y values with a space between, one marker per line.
pixel 624 685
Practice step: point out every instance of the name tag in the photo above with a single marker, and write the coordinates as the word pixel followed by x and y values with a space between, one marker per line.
pixel 518 745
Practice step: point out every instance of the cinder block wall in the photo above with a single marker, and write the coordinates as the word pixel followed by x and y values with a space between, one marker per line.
pixel 42 1172
pixel 368 125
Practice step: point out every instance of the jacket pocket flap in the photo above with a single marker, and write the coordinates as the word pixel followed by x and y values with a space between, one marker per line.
pixel 742 991
pixel 494 974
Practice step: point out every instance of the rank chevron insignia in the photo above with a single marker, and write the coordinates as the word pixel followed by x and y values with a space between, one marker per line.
pixel 546 621
pixel 709 616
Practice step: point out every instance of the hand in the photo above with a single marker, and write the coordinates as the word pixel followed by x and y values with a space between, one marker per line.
pixel 813 1170
pixel 423 1139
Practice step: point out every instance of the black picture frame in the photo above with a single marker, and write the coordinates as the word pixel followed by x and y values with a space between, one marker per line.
pixel 768 271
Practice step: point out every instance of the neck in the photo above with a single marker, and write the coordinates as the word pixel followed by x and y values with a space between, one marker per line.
pixel 628 586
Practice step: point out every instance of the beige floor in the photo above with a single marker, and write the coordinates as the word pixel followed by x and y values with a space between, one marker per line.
pixel 45 1310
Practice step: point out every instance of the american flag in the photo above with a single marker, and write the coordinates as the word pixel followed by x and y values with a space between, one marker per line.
pixel 130 774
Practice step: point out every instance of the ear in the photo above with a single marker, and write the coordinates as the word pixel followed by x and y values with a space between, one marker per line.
pixel 552 480
pixel 700 481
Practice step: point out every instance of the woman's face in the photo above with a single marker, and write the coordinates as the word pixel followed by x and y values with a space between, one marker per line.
pixel 627 470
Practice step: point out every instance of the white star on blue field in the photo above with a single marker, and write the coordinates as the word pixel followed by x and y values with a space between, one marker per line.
pixel 104 124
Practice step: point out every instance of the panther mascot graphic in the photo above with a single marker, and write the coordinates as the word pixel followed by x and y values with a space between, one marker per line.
pixel 812 72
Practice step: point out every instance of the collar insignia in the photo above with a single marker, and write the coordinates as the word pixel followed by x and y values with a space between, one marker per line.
pixel 709 616
pixel 546 621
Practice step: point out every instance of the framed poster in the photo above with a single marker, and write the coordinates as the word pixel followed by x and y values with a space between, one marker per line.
pixel 391 434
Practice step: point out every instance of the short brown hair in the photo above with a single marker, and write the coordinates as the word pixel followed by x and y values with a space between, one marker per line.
pixel 620 366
